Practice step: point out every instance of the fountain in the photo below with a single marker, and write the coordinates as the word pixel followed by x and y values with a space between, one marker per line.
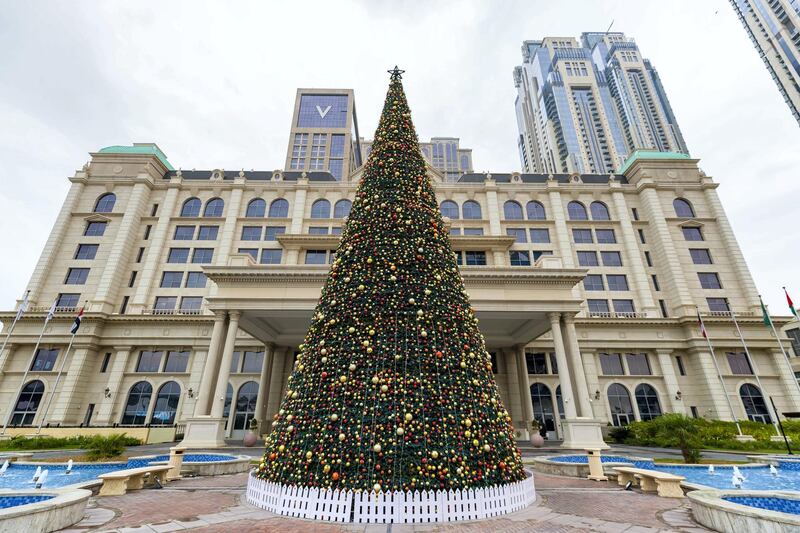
pixel 42 479
pixel 69 467
pixel 4 467
pixel 711 469
pixel 37 474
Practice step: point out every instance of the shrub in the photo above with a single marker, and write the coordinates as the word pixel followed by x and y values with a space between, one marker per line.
pixel 620 434
pixel 57 443
pixel 100 447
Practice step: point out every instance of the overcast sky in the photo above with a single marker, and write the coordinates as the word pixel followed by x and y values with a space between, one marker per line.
pixel 214 83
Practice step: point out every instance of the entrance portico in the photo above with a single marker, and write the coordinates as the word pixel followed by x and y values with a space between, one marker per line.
pixel 274 304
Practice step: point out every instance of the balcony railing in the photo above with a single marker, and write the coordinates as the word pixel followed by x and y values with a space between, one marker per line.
pixel 46 308
pixel 614 314
pixel 200 311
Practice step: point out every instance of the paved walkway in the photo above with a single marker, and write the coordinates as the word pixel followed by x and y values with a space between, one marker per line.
pixel 217 504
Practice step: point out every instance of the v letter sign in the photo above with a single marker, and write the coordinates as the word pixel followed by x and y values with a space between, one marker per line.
pixel 323 112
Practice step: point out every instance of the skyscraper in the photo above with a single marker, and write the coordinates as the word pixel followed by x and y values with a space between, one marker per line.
pixel 584 107
pixel 443 153
pixel 774 28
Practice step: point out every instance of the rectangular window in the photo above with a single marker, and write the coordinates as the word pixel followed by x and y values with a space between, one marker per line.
pixel 539 253
pixel 475 258
pixel 553 364
pixel 68 299
pixel 336 230
pixel 593 282
pixel 171 280
pixel 473 231
pixel 316 257
pixel 617 282
pixel 154 210
pixel 253 361
pixel 252 251
pixel 337 145
pixel 588 259
pixel 149 361
pixel 45 360
pixel 611 259
pixel 598 306
pixel 519 258
pixel 709 280
pixel 656 286
pixel 104 364
pixel 455 231
pixel 86 251
pixel 139 255
pixel 459 258
pixel 176 361
pixel 165 304
pixel 76 276
pixel 147 230
pixel 700 256
pixel 132 279
pixel 540 235
pixel 582 236
pixel 692 234
pixel 536 363
pixel 178 255
pixel 195 280
pixel 624 307
pixel 719 305
pixel 695 413
pixel 679 362
pixel 794 339
pixel 635 213
pixel 739 364
pixel 518 234
pixel 638 365
pixel 271 256
pixel 183 233
pixel 208 233
pixel 202 256
pixel 641 237
pixel 611 364
pixel 648 259
pixel 95 229
pixel 191 303
pixel 235 362
pixel 605 236
pixel 318 230
pixel 272 232
pixel 251 233
pixel 663 305
pixel 124 306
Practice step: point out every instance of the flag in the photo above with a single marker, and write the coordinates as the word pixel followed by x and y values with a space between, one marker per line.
pixel 51 313
pixel 77 323
pixel 791 305
pixel 23 306
pixel 702 325
pixel 767 320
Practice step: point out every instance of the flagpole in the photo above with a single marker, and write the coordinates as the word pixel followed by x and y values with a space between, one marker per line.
pixel 25 375
pixel 23 308
pixel 55 385
pixel 773 413
pixel 780 343
pixel 719 373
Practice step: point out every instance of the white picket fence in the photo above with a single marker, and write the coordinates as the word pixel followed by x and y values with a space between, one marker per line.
pixel 390 507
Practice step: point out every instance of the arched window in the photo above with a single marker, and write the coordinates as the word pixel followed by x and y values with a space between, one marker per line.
pixel 577 211
pixel 619 401
pixel 599 211
pixel 105 204
pixel 535 210
pixel 543 406
pixel 245 405
pixel 512 210
pixel 647 401
pixel 321 209
pixel 471 210
pixel 449 209
pixel 27 404
pixel 191 208
pixel 279 209
pixel 166 404
pixel 754 404
pixel 560 403
pixel 214 208
pixel 226 410
pixel 342 209
pixel 138 404
pixel 256 208
pixel 683 208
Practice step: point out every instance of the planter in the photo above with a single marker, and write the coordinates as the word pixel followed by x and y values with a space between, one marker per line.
pixel 537 440
pixel 250 438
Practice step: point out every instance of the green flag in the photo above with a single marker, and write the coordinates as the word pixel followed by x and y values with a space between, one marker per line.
pixel 767 320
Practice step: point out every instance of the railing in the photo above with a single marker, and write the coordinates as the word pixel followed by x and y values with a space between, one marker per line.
pixel 200 311
pixel 46 308
pixel 727 314
pixel 615 314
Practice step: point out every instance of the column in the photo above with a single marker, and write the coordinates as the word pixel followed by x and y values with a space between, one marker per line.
pixel 105 410
pixel 263 384
pixel 228 232
pixel 717 397
pixel 633 256
pixel 574 350
pixel 203 404
pixel 154 251
pixel 492 209
pixel 299 206
pixel 526 404
pixel 218 401
pixel 563 367
pixel 275 384
pixel 74 384
pixel 56 237
pixel 562 232
pixel 6 355
pixel 670 380
pixel 791 396
pixel 593 384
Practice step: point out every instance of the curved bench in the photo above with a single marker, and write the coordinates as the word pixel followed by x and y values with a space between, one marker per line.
pixel 667 485
pixel 119 482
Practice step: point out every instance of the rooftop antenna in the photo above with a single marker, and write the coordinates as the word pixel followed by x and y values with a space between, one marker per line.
pixel 609 26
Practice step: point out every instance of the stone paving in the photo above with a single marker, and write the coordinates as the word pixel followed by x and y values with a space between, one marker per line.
pixel 217 504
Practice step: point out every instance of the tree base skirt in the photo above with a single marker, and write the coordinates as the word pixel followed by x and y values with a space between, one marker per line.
pixel 418 507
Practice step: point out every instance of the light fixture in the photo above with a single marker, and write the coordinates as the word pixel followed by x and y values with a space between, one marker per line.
pixel 107 392
pixel 190 393
pixel 678 395
pixel 597 395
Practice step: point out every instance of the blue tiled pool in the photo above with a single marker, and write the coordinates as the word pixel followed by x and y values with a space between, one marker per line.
pixel 756 477
pixel 583 459
pixel 14 501
pixel 769 503
pixel 187 458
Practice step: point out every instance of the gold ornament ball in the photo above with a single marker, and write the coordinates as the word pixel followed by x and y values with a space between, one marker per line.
pixel 409 417
pixel 377 448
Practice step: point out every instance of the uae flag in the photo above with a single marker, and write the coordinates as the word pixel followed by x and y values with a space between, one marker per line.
pixel 77 323
pixel 702 325
pixel 791 305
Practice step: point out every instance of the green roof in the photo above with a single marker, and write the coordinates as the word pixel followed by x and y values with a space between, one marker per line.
pixel 649 154
pixel 138 148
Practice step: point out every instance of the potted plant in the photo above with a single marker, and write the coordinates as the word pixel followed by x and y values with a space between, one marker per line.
pixel 251 436
pixel 536 435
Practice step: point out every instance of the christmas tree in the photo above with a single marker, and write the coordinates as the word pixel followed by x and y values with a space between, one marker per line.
pixel 393 386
